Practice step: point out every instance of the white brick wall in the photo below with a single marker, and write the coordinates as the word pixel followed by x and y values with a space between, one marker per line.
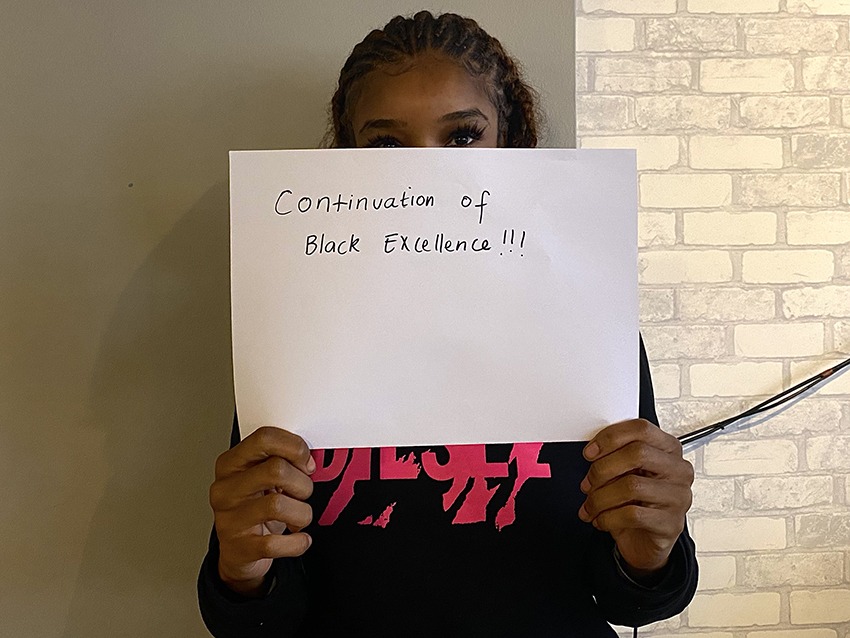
pixel 733 6
pixel 820 607
pixel 719 610
pixel 740 114
pixel 739 535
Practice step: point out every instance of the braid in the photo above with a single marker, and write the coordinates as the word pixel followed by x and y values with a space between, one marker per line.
pixel 462 40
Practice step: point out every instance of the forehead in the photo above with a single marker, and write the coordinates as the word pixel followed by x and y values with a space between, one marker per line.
pixel 424 88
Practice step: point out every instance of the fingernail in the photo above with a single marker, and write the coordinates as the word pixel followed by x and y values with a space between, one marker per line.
pixel 582 514
pixel 311 465
pixel 591 451
pixel 585 485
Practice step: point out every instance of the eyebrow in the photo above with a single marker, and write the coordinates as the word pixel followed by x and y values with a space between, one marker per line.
pixel 370 124
pixel 463 115
pixel 448 117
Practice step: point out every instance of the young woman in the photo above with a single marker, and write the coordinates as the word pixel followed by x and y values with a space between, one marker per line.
pixel 496 540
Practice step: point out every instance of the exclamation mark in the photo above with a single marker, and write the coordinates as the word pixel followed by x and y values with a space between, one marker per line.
pixel 513 241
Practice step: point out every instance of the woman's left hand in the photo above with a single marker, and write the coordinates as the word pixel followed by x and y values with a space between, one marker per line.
pixel 639 490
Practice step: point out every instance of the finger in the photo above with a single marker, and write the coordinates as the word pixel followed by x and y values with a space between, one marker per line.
pixel 273 474
pixel 262 444
pixel 272 507
pixel 637 458
pixel 655 521
pixel 275 527
pixel 635 490
pixel 621 434
pixel 251 549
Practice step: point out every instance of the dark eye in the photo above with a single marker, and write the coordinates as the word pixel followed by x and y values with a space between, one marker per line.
pixel 466 136
pixel 383 141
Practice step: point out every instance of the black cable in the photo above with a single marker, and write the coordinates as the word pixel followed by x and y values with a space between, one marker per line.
pixel 769 404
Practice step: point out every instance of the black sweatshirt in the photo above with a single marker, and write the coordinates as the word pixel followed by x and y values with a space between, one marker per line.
pixel 451 541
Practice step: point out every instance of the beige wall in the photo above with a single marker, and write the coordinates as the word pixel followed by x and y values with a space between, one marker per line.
pixel 115 388
pixel 740 114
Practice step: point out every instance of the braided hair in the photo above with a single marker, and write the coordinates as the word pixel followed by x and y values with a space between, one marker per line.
pixel 458 38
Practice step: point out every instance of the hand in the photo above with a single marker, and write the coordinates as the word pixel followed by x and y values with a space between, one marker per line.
pixel 259 492
pixel 638 489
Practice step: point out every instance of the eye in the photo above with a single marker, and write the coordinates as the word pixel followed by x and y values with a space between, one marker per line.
pixel 383 141
pixel 465 135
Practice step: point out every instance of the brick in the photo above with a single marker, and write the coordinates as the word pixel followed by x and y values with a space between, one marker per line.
pixel 790 189
pixel 735 379
pixel 637 75
pixel 835 385
pixel 630 7
pixel 726 304
pixel 769 111
pixel 735 151
pixel 825 73
pixel 739 535
pixel 716 572
pixel 688 190
pixel 656 229
pixel 682 112
pixel 656 305
pixel 733 6
pixel 713 495
pixel 676 267
pixel 820 151
pixel 772 570
pixel 825 301
pixel 820 607
pixel 666 380
pixel 686 342
pixel 691 34
pixel 845 112
pixel 741 610
pixel 605 34
pixel 813 415
pixel 788 266
pixel 736 75
pixel 831 531
pixel 787 492
pixel 734 458
pixel 582 64
pixel 602 112
pixel 828 453
pixel 779 340
pixel 843 255
pixel 654 152
pixel 819 7
pixel 730 229
pixel 818 228
pixel 770 36
pixel 841 336
pixel 794 633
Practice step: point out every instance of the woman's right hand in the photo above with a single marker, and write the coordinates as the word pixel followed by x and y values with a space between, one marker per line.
pixel 260 490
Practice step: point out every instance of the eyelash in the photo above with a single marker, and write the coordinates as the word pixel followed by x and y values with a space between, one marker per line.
pixel 472 131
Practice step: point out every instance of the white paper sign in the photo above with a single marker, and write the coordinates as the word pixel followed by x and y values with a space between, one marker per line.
pixel 399 297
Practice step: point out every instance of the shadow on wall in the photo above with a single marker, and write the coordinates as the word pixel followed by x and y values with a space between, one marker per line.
pixel 168 339
pixel 161 389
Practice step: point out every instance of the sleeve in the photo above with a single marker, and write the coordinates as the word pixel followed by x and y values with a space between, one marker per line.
pixel 229 615
pixel 621 600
